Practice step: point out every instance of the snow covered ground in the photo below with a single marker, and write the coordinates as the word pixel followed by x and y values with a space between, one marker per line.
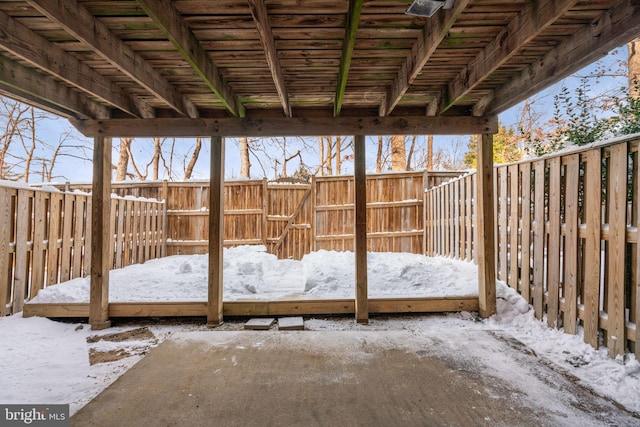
pixel 252 273
pixel 43 361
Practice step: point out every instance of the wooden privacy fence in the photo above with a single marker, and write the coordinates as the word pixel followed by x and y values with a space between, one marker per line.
pixel 292 220
pixel 567 237
pixel 45 235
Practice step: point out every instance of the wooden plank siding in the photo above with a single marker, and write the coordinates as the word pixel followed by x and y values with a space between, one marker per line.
pixel 45 235
pixel 567 238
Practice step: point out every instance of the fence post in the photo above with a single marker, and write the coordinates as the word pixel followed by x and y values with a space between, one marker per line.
pixel 165 218
pixel 265 196
pixel 313 214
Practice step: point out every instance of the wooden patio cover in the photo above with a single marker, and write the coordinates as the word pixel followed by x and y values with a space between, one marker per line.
pixel 294 67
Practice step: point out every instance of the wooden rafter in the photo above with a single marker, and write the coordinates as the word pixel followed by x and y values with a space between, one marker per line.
pixel 82 25
pixel 31 47
pixel 616 26
pixel 168 19
pixel 29 86
pixel 350 31
pixel 261 18
pixel 236 127
pixel 434 31
pixel 536 17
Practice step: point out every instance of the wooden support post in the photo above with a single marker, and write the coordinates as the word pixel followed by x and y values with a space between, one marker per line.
pixel 485 227
pixel 101 240
pixel 216 232
pixel 362 303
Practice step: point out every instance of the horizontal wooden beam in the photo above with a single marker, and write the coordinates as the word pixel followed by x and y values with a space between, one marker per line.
pixel 261 18
pixel 258 308
pixel 536 17
pixel 616 26
pixel 435 30
pixel 348 45
pixel 273 127
pixel 38 51
pixel 168 19
pixel 31 87
pixel 82 25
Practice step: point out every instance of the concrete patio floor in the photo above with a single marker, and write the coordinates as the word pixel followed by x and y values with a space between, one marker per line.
pixel 345 378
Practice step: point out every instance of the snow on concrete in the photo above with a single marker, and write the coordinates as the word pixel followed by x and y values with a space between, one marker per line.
pixel 43 361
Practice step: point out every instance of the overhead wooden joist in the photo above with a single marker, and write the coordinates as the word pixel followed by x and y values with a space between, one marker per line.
pixel 261 18
pixel 25 84
pixel 434 31
pixel 77 20
pixel 31 47
pixel 168 19
pixel 350 31
pixel 273 127
pixel 616 26
pixel 533 20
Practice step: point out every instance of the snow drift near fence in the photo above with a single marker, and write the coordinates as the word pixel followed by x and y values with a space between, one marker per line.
pixel 250 273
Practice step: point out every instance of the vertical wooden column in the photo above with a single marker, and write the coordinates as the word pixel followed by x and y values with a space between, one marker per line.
pixel 100 238
pixel 216 232
pixel 362 303
pixel 485 226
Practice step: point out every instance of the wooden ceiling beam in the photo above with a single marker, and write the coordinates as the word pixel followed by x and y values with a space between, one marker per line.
pixel 36 50
pixel 535 18
pixel 27 85
pixel 261 18
pixel 170 22
pixel 616 26
pixel 350 31
pixel 283 126
pixel 434 31
pixel 82 25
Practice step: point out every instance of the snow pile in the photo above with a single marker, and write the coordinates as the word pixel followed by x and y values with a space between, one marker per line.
pixel 389 274
pixel 252 273
pixel 509 304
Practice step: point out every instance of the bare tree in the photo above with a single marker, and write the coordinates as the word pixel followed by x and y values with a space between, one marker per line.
pixel 188 171
pixel 25 154
pixel 634 67
pixel 379 154
pixel 412 148
pixel 245 163
pixel 123 158
pixel 398 153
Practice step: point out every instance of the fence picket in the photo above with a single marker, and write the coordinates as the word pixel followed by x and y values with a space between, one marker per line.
pixel 38 251
pixel 553 248
pixel 6 227
pixel 503 222
pixel 570 253
pixel 67 232
pixel 525 234
pixel 21 274
pixel 513 226
pixel 617 207
pixel 539 240
pixel 592 263
pixel 55 209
